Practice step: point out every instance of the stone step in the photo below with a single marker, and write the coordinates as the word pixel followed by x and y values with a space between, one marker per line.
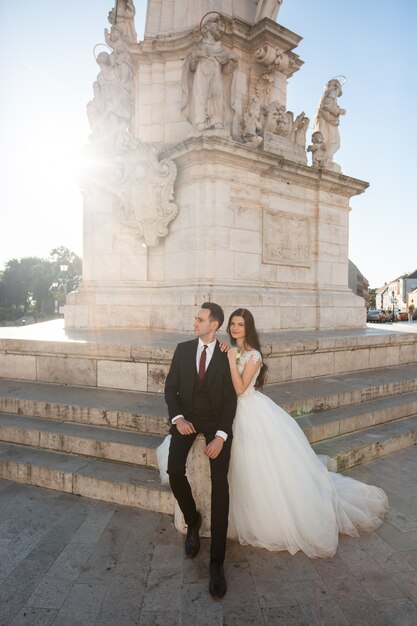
pixel 124 410
pixel 102 443
pixel 143 411
pixel 368 444
pixel 140 486
pixel 94 478
pixel 331 392
pixel 347 419
pixel 137 359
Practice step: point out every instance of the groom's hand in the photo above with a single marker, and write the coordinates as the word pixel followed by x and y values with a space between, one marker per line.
pixel 184 427
pixel 214 447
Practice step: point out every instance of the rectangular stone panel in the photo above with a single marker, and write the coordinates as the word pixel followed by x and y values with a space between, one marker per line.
pixel 67 370
pixel 286 238
pixel 119 375
pixel 18 366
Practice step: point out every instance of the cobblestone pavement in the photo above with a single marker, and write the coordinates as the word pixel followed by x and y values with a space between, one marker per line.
pixel 73 561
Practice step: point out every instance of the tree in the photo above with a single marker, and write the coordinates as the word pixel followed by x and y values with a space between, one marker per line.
pixel 26 285
pixel 372 299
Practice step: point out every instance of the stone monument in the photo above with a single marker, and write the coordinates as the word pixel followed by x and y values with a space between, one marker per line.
pixel 198 186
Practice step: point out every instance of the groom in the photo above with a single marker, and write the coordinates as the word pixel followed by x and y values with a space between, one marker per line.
pixel 201 399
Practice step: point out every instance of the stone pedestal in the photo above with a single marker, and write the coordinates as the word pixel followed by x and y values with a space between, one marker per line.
pixel 176 214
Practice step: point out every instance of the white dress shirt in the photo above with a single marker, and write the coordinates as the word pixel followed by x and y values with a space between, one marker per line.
pixel 209 354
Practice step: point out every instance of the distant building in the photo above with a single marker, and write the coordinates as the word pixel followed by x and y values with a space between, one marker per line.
pixel 358 283
pixel 412 298
pixel 399 290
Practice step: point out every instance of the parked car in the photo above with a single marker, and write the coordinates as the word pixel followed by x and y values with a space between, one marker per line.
pixel 376 315
pixel 402 316
pixel 389 316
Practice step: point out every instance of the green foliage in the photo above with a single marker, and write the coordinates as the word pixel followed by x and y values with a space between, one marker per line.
pixel 372 299
pixel 31 285
pixel 300 412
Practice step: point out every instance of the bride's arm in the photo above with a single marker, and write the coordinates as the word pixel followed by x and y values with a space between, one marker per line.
pixel 242 381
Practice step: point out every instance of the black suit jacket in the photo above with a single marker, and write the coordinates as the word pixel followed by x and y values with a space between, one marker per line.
pixel 179 386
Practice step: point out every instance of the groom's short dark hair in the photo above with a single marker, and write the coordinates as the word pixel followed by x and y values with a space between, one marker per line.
pixel 216 312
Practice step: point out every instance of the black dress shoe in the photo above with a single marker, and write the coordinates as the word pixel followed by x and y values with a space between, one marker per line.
pixel 217 586
pixel 192 540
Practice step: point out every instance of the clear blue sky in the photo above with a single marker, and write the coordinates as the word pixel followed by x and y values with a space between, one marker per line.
pixel 47 69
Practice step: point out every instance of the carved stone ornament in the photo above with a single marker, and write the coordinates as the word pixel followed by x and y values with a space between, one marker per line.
pixel 286 239
pixel 143 188
pixel 273 58
pixel 252 123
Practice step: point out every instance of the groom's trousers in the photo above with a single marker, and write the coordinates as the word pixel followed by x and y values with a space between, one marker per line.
pixel 219 467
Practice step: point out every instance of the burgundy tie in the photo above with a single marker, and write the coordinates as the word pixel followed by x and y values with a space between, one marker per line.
pixel 202 364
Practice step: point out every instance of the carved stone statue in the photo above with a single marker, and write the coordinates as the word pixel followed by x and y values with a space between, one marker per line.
pixel 111 110
pixel 318 149
pixel 327 117
pixel 300 127
pixel 207 81
pixel 267 8
pixel 124 20
pixel 252 123
pixel 280 122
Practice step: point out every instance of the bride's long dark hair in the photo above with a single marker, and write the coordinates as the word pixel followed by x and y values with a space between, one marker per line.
pixel 251 340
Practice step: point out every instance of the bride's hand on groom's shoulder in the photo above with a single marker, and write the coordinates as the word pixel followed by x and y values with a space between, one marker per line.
pixel 224 346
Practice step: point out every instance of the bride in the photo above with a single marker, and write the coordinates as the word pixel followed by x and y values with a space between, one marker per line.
pixel 282 497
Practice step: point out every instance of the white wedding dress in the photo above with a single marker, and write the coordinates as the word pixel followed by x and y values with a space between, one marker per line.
pixel 282 497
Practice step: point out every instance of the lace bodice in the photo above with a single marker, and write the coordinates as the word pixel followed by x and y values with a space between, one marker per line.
pixel 246 355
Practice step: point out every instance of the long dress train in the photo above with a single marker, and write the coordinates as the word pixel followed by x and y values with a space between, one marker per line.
pixel 282 497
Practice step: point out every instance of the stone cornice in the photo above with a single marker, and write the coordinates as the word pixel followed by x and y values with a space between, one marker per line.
pixel 196 149
pixel 238 34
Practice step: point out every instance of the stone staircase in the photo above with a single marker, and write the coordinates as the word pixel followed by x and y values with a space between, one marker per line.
pixel 101 443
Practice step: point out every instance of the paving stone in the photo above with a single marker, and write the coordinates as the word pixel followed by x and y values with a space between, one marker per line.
pixel 331 568
pixel 163 589
pixel 287 615
pixel 386 557
pixel 408 584
pixel 273 593
pixel 411 557
pixel 81 606
pixel 370 582
pixel 241 600
pixel 53 590
pixel 397 539
pixel 29 616
pixel 380 586
pixel 17 588
pixel 354 601
pixel 199 608
pixel 318 605
pixel 396 612
pixel 168 617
